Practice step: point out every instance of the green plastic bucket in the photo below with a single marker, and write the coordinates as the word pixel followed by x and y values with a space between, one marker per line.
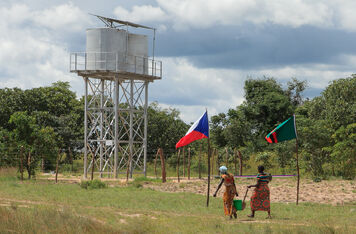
pixel 238 204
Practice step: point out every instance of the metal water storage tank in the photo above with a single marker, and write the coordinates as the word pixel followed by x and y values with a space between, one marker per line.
pixel 114 49
pixel 138 53
pixel 103 46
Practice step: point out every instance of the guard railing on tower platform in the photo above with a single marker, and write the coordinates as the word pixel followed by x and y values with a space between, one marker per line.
pixel 115 62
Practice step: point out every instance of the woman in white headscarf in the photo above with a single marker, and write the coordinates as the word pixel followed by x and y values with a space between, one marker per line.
pixel 230 191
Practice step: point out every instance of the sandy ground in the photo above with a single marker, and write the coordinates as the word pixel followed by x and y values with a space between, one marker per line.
pixel 335 192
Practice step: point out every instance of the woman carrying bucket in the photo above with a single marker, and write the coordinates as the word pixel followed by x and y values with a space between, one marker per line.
pixel 260 198
pixel 228 180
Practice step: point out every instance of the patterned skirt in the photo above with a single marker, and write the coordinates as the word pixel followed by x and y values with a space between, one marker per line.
pixel 228 199
pixel 260 198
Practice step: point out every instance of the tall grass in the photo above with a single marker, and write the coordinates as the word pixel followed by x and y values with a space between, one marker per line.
pixel 47 220
pixel 44 207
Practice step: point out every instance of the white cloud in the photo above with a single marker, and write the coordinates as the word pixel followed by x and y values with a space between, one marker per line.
pixel 345 14
pixel 66 17
pixel 140 14
pixel 191 89
pixel 186 14
pixel 30 56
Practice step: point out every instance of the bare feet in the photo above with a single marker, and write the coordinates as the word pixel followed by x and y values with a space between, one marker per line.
pixel 269 217
pixel 250 216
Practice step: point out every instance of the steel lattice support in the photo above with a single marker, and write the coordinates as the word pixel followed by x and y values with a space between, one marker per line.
pixel 115 125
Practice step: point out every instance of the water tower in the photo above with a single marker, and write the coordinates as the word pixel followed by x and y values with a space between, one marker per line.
pixel 116 70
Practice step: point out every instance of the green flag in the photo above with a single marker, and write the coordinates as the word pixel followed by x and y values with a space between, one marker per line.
pixel 283 132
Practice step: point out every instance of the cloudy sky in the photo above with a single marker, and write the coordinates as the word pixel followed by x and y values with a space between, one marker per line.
pixel 208 47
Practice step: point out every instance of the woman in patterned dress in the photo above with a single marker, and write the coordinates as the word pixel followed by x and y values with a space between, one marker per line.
pixel 230 191
pixel 260 198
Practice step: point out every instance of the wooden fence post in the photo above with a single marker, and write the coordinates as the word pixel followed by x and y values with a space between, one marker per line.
pixel 189 163
pixel 29 165
pixel 163 166
pixel 227 156
pixel 21 163
pixel 199 165
pixel 235 161
pixel 71 158
pixel 42 164
pixel 212 161
pixel 57 165
pixel 240 160
pixel 156 162
pixel 92 166
pixel 178 165
pixel 183 161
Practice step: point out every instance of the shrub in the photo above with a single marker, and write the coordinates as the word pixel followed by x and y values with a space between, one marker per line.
pixel 92 184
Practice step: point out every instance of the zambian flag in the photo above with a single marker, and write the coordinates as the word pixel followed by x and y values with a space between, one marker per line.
pixel 283 132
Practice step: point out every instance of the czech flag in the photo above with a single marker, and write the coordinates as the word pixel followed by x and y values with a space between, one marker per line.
pixel 199 130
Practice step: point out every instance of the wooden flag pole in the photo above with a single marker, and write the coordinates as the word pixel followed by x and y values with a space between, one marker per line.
pixel 298 178
pixel 208 192
pixel 296 150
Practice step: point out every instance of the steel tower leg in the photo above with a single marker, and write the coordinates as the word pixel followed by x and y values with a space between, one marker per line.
pixel 116 127
pixel 101 127
pixel 85 127
pixel 131 126
pixel 145 131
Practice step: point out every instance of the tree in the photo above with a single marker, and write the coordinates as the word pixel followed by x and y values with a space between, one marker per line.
pixel 339 102
pixel 294 91
pixel 331 117
pixel 164 130
pixel 343 152
pixel 218 124
pixel 37 142
pixel 266 104
pixel 11 100
pixel 24 133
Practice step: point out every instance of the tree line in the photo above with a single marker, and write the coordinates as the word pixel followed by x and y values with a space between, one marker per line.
pixel 41 122
pixel 326 126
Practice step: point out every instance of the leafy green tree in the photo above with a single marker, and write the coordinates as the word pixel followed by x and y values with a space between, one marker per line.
pixel 314 136
pixel 295 90
pixel 339 102
pixel 33 141
pixel 218 124
pixel 266 104
pixel 11 100
pixel 7 152
pixel 343 152
pixel 331 117
pixel 164 130
pixel 24 134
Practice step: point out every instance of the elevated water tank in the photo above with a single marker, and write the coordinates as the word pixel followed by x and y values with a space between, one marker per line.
pixel 114 49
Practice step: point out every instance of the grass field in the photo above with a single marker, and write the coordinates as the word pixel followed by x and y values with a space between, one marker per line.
pixel 40 206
